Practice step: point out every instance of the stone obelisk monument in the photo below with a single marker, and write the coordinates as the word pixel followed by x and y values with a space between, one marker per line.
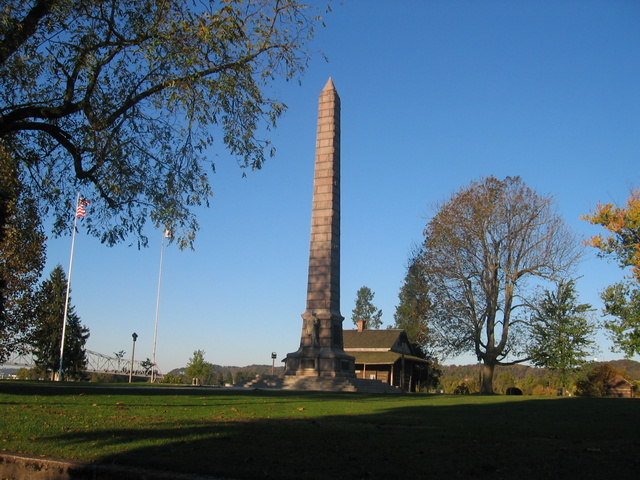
pixel 321 351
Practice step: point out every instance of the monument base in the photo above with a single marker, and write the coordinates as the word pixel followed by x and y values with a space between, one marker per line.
pixel 315 362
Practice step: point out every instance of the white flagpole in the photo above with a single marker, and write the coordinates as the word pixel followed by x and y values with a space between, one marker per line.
pixel 66 300
pixel 165 234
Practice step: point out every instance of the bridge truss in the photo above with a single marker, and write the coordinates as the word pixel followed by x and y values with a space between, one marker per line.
pixel 96 363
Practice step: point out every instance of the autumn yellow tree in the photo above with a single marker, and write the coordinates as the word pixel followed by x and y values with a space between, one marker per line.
pixel 623 223
pixel 621 300
pixel 484 252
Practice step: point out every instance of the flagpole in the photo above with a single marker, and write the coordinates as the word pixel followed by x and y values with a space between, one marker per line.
pixel 66 300
pixel 165 234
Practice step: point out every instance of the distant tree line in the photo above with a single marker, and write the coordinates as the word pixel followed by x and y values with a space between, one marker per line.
pixel 587 381
pixel 215 375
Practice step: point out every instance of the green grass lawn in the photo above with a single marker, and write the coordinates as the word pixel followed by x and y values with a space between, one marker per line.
pixel 294 435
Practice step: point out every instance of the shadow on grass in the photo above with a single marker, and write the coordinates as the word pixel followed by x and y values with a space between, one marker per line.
pixel 573 438
pixel 534 439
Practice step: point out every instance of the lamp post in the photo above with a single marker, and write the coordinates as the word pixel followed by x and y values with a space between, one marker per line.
pixel 133 354
pixel 273 362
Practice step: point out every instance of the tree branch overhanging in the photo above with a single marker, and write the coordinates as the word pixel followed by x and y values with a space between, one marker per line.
pixel 22 30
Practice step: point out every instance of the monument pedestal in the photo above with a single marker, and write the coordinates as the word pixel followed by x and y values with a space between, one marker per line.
pixel 320 363
pixel 321 352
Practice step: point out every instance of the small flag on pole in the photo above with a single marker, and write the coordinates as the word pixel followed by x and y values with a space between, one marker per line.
pixel 80 210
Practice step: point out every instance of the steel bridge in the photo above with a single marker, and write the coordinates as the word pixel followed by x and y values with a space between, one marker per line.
pixel 96 363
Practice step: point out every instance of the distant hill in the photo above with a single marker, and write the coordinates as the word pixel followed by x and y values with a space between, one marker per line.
pixel 631 366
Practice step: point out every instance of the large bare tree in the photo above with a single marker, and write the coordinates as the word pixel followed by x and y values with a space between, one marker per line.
pixel 484 251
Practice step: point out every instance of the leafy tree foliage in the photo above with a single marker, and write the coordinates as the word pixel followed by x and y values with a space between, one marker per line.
pixel 503 380
pixel 119 358
pixel 365 310
pixel 597 378
pixel 146 366
pixel 622 300
pixel 531 380
pixel 562 334
pixel 414 304
pixel 624 225
pixel 198 367
pixel 174 378
pixel 22 256
pixel 45 337
pixel 483 251
pixel 119 99
pixel 222 374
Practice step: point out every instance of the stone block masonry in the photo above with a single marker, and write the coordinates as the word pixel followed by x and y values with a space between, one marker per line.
pixel 321 351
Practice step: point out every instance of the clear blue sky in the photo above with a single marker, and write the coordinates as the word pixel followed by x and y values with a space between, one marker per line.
pixel 434 94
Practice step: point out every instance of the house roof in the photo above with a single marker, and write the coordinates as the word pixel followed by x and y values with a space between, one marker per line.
pixel 618 381
pixel 368 339
pixel 373 358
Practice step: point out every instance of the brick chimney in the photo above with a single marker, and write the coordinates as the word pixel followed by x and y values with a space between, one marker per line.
pixel 361 325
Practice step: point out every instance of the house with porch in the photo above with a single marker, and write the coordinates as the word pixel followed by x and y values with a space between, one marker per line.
pixel 619 387
pixel 385 355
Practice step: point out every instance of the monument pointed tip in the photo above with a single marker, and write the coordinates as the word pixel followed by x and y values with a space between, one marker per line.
pixel 329 85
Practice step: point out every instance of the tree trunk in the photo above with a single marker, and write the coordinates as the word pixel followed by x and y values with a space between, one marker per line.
pixel 486 387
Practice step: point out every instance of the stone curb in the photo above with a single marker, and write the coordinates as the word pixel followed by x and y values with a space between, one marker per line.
pixel 21 466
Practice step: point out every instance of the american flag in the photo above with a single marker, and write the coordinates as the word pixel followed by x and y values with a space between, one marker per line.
pixel 80 210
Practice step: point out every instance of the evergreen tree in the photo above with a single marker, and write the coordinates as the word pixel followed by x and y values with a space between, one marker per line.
pixel 413 307
pixel 365 310
pixel 561 333
pixel 45 336
pixel 22 257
